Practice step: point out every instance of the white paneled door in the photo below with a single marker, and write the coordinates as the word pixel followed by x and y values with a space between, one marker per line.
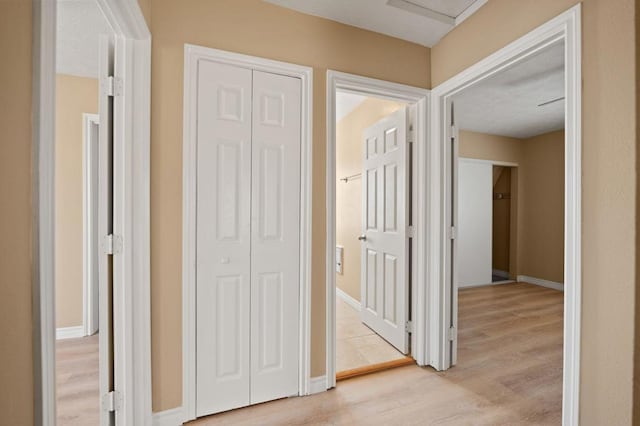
pixel 384 274
pixel 247 267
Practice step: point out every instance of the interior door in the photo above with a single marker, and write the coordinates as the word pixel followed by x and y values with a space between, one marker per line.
pixel 105 229
pixel 475 209
pixel 384 269
pixel 275 227
pixel 223 247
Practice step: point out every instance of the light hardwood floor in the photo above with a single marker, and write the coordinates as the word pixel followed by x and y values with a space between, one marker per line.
pixel 77 392
pixel 509 372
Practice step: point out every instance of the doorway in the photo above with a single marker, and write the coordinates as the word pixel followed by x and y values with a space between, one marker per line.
pixel 376 133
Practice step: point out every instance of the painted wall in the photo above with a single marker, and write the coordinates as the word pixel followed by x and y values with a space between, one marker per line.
pixel 349 157
pixel 541 252
pixel 536 238
pixel 74 96
pixel 608 178
pixel 256 28
pixel 16 350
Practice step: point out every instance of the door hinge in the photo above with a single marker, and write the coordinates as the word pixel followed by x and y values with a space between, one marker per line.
pixel 453 332
pixel 112 244
pixel 453 233
pixel 408 327
pixel 411 232
pixel 454 132
pixel 112 86
pixel 111 401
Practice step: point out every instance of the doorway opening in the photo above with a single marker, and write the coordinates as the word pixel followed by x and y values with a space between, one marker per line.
pixel 376 139
pixel 372 204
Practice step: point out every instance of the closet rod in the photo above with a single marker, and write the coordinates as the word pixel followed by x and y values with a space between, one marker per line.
pixel 348 178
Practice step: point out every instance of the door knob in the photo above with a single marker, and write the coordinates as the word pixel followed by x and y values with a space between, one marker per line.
pixel 362 238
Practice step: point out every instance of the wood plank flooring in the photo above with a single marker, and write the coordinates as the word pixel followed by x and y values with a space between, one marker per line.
pixel 77 392
pixel 509 372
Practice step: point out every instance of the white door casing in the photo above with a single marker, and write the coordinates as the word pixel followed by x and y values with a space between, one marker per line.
pixel 275 236
pixel 248 236
pixel 105 225
pixel 384 260
pixel 474 226
pixel 223 237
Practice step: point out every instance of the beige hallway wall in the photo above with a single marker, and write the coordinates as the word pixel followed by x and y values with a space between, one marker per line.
pixel 349 157
pixel 501 221
pixel 256 28
pixel 74 96
pixel 608 179
pixel 16 350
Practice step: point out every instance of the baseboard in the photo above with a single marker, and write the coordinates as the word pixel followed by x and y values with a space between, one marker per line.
pixel 69 332
pixel 500 273
pixel 317 384
pixel 485 285
pixel 350 300
pixel 539 281
pixel 172 417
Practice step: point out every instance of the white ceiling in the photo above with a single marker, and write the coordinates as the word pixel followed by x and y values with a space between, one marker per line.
pixel 346 102
pixel 420 21
pixel 507 103
pixel 80 23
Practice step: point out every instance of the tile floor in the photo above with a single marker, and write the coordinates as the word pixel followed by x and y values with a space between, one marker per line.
pixel 356 344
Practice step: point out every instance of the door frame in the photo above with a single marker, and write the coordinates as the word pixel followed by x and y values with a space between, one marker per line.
pixel 90 289
pixel 132 328
pixel 443 306
pixel 192 55
pixel 339 81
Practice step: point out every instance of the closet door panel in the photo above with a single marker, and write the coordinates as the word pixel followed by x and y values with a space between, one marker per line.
pixel 275 222
pixel 223 246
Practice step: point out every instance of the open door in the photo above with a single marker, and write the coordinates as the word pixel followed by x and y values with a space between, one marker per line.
pixel 384 260
pixel 105 232
pixel 451 268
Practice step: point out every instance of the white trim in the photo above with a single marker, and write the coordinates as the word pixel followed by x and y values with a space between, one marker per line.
pixel 132 328
pixel 493 162
pixel 469 11
pixel 172 417
pixel 500 273
pixel 348 299
pixel 317 384
pixel 90 291
pixel 486 284
pixel 541 282
pixel 567 27
pixel 69 332
pixel 193 54
pixel 401 93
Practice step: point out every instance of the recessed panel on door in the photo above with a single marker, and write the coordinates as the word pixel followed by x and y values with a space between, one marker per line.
pixel 275 250
pixel 223 280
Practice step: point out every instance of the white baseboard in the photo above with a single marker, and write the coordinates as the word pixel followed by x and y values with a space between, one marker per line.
pixel 350 300
pixel 172 417
pixel 500 273
pixel 539 281
pixel 485 285
pixel 317 384
pixel 69 332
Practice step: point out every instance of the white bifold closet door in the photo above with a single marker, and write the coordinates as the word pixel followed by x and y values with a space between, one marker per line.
pixel 248 192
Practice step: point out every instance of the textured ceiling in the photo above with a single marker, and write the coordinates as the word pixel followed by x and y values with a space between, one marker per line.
pixel 507 103
pixel 80 23
pixel 423 22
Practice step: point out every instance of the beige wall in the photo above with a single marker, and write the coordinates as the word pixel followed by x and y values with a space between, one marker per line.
pixel 16 359
pixel 608 178
pixel 537 188
pixel 74 96
pixel 256 28
pixel 349 156
pixel 541 249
